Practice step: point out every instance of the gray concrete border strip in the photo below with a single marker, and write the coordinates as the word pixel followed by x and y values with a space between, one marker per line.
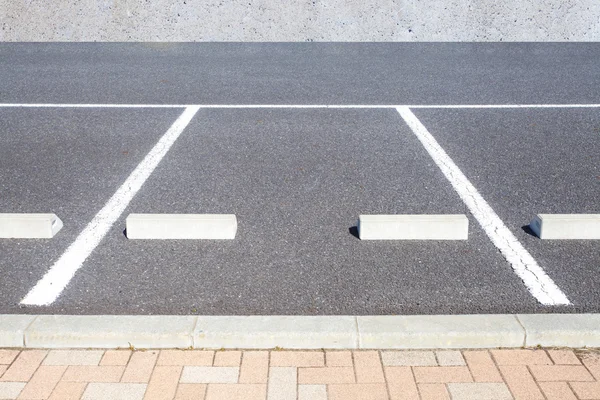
pixel 300 332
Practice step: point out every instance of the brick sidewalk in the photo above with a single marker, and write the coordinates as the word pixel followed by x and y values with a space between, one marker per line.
pixel 303 375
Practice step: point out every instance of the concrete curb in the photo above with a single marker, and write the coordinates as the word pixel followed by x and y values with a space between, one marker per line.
pixel 300 332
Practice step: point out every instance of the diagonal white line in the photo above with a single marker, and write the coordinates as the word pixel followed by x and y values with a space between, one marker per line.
pixel 535 279
pixel 47 290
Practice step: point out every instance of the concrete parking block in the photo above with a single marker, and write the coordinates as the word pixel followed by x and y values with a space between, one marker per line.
pixel 566 226
pixel 413 227
pixel 109 331
pixel 439 331
pixel 181 226
pixel 290 332
pixel 561 330
pixel 12 329
pixel 29 226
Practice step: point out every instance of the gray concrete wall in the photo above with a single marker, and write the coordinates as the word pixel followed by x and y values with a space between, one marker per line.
pixel 299 20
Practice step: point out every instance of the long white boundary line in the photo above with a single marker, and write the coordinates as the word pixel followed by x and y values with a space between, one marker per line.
pixel 52 284
pixel 535 279
pixel 308 106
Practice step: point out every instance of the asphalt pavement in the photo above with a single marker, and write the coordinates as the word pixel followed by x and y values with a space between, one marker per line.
pixel 297 179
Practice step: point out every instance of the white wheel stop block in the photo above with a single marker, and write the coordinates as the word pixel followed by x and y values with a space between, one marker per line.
pixel 181 226
pixel 413 227
pixel 29 226
pixel 566 226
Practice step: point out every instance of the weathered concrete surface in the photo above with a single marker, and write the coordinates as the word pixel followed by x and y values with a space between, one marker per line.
pixel 307 20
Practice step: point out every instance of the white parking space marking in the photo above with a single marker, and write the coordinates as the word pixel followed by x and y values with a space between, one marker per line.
pixel 301 106
pixel 60 274
pixel 535 279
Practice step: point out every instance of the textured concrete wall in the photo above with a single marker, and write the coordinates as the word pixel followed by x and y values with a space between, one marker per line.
pixel 304 20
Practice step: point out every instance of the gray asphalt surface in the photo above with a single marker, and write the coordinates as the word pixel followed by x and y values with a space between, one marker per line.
pixel 300 73
pixel 297 179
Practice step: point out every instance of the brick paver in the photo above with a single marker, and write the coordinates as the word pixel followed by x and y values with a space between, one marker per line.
pixel 550 374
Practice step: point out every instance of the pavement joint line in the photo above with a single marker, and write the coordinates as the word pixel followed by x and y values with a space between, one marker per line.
pixel 307 106
pixel 56 279
pixel 300 332
pixel 539 284
pixel 566 226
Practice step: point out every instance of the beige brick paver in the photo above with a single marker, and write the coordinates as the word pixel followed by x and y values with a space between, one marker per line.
pixel 68 391
pixel 282 383
pixel 433 391
pixel 557 391
pixel 114 391
pixel 10 390
pixel 116 357
pixel 564 357
pixel 448 358
pixel 442 374
pixel 255 367
pixel 479 391
pixel 24 366
pixel 359 391
pixel 408 358
pixel 236 392
pixel 520 382
pixel 592 362
pixel 140 366
pixel 3 369
pixel 521 357
pixel 227 358
pixel 8 356
pixel 482 366
pixel 557 373
pixel 325 375
pixel 338 358
pixel 90 373
pixel 163 383
pixel 367 367
pixel 297 359
pixel 186 357
pixel 191 391
pixel 401 383
pixel 43 382
pixel 73 357
pixel 312 392
pixel 587 390
pixel 195 374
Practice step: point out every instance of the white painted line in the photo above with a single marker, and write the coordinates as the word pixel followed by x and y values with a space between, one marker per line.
pixel 181 226
pixel 535 279
pixel 413 227
pixel 60 274
pixel 566 226
pixel 301 106
pixel 29 226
